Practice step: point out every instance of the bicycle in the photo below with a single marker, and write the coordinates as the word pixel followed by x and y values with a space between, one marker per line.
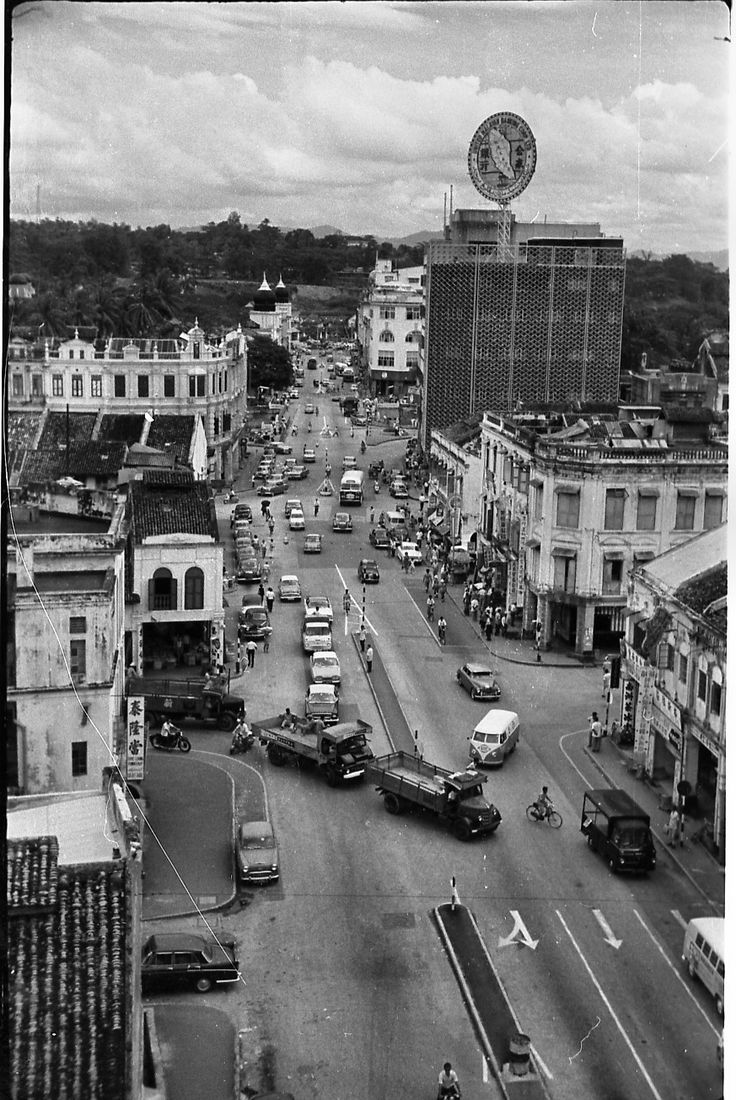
pixel 550 815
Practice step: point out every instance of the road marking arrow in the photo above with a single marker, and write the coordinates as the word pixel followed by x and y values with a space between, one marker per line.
pixel 519 930
pixel 607 932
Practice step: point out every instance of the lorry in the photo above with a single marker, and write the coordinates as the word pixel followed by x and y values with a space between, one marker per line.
pixel 408 782
pixel 351 487
pixel 340 753
pixel 316 634
pixel 617 827
pixel 179 699
pixel 349 404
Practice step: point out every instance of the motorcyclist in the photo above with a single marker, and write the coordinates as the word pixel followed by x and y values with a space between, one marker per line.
pixel 543 803
pixel 169 732
pixel 449 1084
pixel 242 736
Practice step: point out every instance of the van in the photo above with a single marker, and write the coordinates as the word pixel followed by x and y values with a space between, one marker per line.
pixel 617 827
pixel 392 520
pixel 703 951
pixel 348 374
pixel 316 634
pixel 494 738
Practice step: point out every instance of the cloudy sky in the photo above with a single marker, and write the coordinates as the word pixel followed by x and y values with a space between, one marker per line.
pixel 359 114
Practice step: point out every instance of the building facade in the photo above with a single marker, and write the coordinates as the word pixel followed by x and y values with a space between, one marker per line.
pixel 185 377
pixel 64 658
pixel 572 504
pixel 539 320
pixel 674 675
pixel 390 329
pixel 455 483
pixel 271 311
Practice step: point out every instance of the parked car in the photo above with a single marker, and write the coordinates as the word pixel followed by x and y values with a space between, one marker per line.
pixel 319 606
pixel 296 520
pixel 271 488
pixel 325 667
pixel 309 408
pixel 479 681
pixel 368 571
pixel 408 550
pixel 312 544
pixel 292 504
pixel 342 521
pixel 309 454
pixel 282 448
pixel 289 587
pixel 379 538
pixel 175 959
pixel 240 512
pixel 296 472
pixel 398 489
pixel 249 570
pixel 257 852
pixel 253 622
pixel 359 421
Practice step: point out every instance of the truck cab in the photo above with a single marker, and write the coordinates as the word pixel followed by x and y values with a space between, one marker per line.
pixel 617 827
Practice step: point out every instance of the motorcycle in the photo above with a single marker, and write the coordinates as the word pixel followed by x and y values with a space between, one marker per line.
pixel 362 446
pixel 231 497
pixel 176 742
pixel 242 742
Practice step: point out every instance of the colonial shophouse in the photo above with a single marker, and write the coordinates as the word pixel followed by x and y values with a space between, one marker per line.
pixel 153 378
pixel 572 503
pixel 455 483
pixel 674 674
pixel 390 328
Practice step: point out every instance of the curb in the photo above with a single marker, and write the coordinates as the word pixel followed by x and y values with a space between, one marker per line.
pixel 373 692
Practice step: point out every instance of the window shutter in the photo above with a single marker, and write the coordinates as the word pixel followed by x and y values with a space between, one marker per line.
pixel 174 603
pixel 150 594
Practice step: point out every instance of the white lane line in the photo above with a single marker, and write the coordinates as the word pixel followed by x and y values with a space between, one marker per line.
pixel 360 609
pixel 573 733
pixel 676 972
pixel 609 1006
pixel 679 918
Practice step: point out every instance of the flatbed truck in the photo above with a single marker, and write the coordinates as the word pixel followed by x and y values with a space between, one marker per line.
pixel 407 782
pixel 340 753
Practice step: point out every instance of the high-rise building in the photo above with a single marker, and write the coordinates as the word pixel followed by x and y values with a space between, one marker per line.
pixel 537 318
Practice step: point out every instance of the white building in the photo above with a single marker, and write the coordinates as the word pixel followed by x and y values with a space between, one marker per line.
pixel 390 328
pixel 456 482
pixel 272 312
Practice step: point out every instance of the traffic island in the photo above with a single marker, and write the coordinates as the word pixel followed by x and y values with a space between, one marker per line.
pixel 507 1048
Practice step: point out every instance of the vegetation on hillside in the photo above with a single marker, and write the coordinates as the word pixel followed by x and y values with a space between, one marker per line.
pixel 115 280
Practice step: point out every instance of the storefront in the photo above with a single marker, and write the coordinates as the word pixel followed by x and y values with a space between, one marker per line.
pixel 180 648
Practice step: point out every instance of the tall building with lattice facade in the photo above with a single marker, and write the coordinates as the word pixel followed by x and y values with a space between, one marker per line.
pixel 537 321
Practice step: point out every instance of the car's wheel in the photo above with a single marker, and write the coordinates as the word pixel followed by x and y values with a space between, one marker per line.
pixel 331 776
pixel 461 829
pixel 203 985
pixel 392 803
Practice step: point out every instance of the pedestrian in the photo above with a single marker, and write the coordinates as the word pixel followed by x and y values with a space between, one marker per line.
pixel 316 506
pixel 430 608
pixel 271 526
pixel 372 514
pixel 606 683
pixel 253 481
pixel 369 659
pixel 263 551
pixel 261 589
pixel 504 623
pixel 270 597
pixel 435 586
pixel 266 641
pixel 595 733
pixel 427 579
pixel 474 606
pixel 250 652
pixel 674 828
pixel 361 638
pixel 497 620
pixel 412 566
pixel 346 602
pixel 488 623
pixel 443 589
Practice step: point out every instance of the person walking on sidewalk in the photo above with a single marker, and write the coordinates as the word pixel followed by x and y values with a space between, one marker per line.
pixel 504 624
pixel 427 580
pixel 361 638
pixel 595 732
pixel 488 623
pixel 261 593
pixel 270 597
pixel 474 607
pixel 250 652
pixel 369 659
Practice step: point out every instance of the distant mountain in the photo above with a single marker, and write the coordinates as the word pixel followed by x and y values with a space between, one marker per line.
pixel 319 231
pixel 718 259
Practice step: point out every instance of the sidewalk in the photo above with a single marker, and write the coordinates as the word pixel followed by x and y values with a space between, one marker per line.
pixel 694 860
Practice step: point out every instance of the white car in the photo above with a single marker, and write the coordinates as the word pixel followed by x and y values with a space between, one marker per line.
pixel 325 667
pixel 409 550
pixel 318 607
pixel 296 520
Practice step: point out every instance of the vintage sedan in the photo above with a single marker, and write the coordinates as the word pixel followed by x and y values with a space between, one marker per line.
pixel 309 408
pixel 322 701
pixel 289 587
pixel 296 472
pixel 312 544
pixel 325 667
pixel 379 538
pixel 309 454
pixel 319 607
pixel 282 448
pixel 273 487
pixel 479 681
pixel 257 852
pixel 296 520
pixel 342 521
pixel 253 622
pixel 176 959
pixel 249 570
pixel 368 571
pixel 292 504
pixel 241 512
pixel 398 489
pixel 409 550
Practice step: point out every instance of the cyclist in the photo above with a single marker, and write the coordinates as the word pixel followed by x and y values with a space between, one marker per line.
pixel 543 803
pixel 449 1084
pixel 430 607
pixel 442 629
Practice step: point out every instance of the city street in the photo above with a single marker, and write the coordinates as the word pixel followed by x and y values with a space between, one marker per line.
pixel 347 989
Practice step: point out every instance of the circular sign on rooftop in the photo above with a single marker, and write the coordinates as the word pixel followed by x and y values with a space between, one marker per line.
pixel 502 157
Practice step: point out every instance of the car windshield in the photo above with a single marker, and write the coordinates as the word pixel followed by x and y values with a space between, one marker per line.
pixel 321 661
pixel 480 673
pixel 251 840
pixel 354 743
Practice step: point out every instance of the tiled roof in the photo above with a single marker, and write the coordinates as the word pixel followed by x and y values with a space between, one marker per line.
pixel 93 459
pixel 81 426
pixel 172 433
pixel 166 504
pixel 66 939
pixel 462 431
pixel 22 428
pixel 125 427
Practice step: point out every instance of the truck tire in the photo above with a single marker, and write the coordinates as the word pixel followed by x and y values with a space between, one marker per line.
pixel 461 829
pixel 227 721
pixel 393 803
pixel 331 776
pixel 276 756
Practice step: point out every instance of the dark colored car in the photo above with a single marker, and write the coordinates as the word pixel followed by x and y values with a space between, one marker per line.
pixel 379 538
pixel 368 571
pixel 479 681
pixel 253 622
pixel 240 511
pixel 175 959
pixel 342 521
pixel 249 570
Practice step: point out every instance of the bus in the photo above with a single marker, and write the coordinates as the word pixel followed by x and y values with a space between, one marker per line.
pixel 351 487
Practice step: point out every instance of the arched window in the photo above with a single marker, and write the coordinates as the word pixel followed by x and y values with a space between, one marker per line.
pixel 414 338
pixel 194 588
pixel 386 337
pixel 162 591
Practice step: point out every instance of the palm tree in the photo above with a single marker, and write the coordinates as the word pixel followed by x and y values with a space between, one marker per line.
pixel 107 308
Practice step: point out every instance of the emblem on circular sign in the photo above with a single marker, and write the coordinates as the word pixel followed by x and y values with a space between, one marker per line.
pixel 502 157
